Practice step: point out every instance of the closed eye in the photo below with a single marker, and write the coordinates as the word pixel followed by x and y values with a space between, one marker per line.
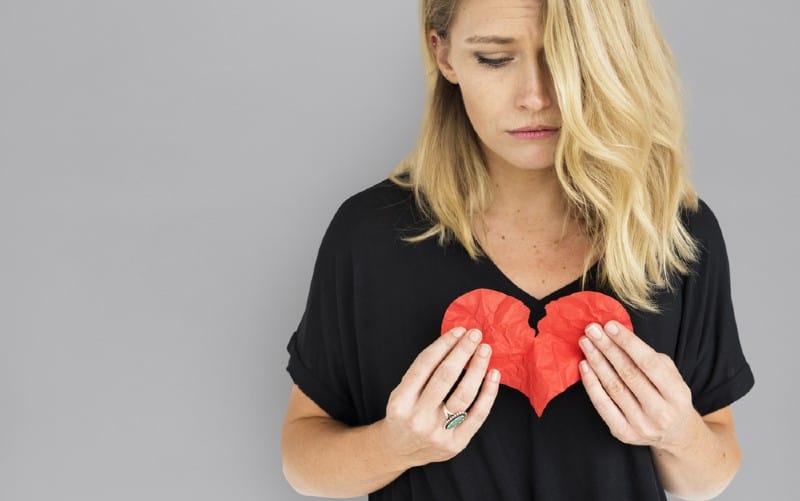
pixel 492 63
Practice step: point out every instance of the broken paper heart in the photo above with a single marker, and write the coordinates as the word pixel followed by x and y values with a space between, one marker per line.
pixel 540 366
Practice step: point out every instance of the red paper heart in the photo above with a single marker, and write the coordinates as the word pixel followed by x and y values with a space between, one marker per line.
pixel 540 366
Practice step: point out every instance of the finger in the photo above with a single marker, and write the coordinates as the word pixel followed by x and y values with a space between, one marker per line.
pixel 642 354
pixel 631 374
pixel 448 371
pixel 420 370
pixel 613 386
pixel 604 404
pixel 468 388
pixel 479 411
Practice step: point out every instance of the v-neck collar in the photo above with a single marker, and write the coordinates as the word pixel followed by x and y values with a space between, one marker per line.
pixel 573 286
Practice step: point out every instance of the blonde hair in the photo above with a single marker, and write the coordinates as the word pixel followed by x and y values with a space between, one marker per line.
pixel 620 158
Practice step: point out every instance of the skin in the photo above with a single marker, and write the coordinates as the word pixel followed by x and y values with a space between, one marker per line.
pixel 637 391
pixel 323 457
pixel 644 400
pixel 506 86
pixel 518 93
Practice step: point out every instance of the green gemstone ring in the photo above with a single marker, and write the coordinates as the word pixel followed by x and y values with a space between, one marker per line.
pixel 452 420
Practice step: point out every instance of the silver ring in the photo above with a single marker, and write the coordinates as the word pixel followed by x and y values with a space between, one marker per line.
pixel 453 419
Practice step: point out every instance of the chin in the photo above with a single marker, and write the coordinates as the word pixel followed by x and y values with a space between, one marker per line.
pixel 528 164
pixel 535 159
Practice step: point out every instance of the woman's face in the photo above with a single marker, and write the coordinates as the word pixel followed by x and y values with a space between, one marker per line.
pixel 505 83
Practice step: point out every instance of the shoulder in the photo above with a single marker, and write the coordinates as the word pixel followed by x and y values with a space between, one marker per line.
pixel 379 199
pixel 373 212
pixel 704 226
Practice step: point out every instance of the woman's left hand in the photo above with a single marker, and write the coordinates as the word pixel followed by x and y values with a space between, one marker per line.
pixel 638 391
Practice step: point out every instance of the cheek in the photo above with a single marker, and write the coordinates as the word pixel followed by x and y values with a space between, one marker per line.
pixel 483 109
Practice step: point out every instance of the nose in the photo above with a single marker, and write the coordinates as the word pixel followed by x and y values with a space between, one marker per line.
pixel 535 88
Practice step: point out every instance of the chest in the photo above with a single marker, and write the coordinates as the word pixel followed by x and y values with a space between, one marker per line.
pixel 537 262
pixel 399 301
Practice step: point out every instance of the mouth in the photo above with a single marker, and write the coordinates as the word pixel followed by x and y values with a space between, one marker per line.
pixel 537 128
pixel 537 133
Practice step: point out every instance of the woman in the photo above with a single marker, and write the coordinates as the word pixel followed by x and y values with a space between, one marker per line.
pixel 551 160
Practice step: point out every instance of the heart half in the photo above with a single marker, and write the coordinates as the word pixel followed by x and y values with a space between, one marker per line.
pixel 540 366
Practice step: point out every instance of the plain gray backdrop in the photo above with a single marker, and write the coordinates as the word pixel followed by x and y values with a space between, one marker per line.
pixel 167 171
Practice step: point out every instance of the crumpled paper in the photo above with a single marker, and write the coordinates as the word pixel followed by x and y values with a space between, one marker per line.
pixel 540 366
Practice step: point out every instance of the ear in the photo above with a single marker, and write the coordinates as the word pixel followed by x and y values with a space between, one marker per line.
pixel 441 50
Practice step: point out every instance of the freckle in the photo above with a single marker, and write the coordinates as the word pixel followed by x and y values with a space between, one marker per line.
pixel 503 237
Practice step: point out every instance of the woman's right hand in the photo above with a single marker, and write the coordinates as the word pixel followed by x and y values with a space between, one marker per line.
pixel 414 422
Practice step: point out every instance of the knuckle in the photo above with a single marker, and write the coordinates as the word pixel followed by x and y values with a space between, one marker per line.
pixel 465 393
pixel 479 413
pixel 453 447
pixel 394 408
pixel 653 363
pixel 425 358
pixel 665 359
pixel 460 397
pixel 442 442
pixel 417 424
pixel 687 393
pixel 615 388
pixel 629 373
pixel 409 375
pixel 649 433
pixel 664 417
pixel 444 375
pixel 626 437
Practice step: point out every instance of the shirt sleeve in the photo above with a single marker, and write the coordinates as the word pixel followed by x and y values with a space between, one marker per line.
pixel 320 348
pixel 713 363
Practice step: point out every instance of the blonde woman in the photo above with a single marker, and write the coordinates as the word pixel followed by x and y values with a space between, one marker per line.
pixel 551 160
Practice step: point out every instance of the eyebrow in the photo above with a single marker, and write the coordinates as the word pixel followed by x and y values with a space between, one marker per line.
pixel 487 39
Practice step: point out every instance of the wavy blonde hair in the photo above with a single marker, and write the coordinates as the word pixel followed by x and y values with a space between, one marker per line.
pixel 621 154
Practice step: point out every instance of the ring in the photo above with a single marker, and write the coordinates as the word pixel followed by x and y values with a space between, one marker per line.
pixel 453 419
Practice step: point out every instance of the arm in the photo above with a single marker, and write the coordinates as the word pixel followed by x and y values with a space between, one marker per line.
pixel 326 458
pixel 705 466
pixel 644 400
pixel 322 456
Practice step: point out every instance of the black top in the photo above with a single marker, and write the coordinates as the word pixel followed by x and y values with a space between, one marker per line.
pixel 375 302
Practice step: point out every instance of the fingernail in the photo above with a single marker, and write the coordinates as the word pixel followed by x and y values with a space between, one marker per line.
pixel 459 331
pixel 484 350
pixel 587 345
pixel 494 375
pixel 612 328
pixel 594 331
pixel 475 335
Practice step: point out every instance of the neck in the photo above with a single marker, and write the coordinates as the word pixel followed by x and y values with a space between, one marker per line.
pixel 530 197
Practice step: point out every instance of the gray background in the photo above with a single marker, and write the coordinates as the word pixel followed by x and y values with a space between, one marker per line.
pixel 168 168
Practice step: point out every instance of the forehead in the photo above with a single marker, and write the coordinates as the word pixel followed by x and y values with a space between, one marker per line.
pixel 507 18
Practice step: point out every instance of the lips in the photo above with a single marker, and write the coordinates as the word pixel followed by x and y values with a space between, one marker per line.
pixel 535 129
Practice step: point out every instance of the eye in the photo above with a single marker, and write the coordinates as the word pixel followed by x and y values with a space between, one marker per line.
pixel 492 63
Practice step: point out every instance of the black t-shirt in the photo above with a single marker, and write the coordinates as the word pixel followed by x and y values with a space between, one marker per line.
pixel 375 302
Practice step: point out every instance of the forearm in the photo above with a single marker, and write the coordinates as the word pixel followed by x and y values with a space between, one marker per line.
pixel 326 458
pixel 703 469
